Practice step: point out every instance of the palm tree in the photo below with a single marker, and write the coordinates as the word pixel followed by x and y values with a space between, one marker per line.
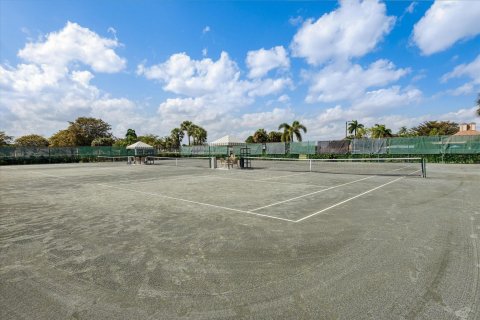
pixel 354 127
pixel 380 131
pixel 292 130
pixel 177 136
pixel 260 136
pixel 131 136
pixel 286 134
pixel 199 135
pixel 402 132
pixel 187 126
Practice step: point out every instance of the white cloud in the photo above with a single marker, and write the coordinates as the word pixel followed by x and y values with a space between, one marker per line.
pixel 182 75
pixel 284 98
pixel 48 90
pixel 268 86
pixel 459 116
pixel 464 89
pixel 206 29
pixel 352 30
pixel 82 77
pixel 470 70
pixel 295 21
pixel 366 109
pixel 445 23
pixel 387 98
pixel 74 43
pixel 30 77
pixel 269 120
pixel 411 7
pixel 210 91
pixel 344 81
pixel 260 62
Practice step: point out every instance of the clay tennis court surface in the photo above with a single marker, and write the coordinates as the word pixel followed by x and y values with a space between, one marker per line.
pixel 112 241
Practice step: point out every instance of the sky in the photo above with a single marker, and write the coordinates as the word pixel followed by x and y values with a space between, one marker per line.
pixel 233 67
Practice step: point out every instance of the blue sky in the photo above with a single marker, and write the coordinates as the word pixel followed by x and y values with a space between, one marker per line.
pixel 236 66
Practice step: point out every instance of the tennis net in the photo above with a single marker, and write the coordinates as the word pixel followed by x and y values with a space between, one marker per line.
pixel 355 166
pixel 198 162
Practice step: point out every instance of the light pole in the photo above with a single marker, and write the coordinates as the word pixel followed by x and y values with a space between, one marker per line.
pixel 346 128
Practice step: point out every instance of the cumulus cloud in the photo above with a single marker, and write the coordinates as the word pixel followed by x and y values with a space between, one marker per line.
pixel 352 30
pixel 260 62
pixel 387 98
pixel 346 81
pixel 269 120
pixel 445 23
pixel 183 75
pixel 74 43
pixel 469 70
pixel 206 29
pixel 49 88
pixel 209 90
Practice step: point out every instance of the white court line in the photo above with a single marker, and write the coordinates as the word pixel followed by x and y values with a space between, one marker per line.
pixel 49 175
pixel 352 198
pixel 271 182
pixel 288 175
pixel 311 193
pixel 180 199
pixel 194 202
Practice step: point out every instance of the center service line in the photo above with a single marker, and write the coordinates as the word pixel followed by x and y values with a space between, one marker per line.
pixel 352 198
pixel 311 193
pixel 195 202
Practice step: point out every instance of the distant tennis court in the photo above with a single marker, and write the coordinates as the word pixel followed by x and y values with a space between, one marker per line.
pixel 287 239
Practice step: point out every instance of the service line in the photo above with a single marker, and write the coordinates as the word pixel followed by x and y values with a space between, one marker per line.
pixel 352 198
pixel 312 193
pixel 195 202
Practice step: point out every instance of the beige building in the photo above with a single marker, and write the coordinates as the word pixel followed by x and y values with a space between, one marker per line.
pixel 467 129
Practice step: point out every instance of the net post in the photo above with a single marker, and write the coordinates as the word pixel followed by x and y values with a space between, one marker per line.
pixel 310 165
pixel 424 167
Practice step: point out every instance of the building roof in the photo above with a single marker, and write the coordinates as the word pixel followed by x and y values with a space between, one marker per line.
pixel 139 145
pixel 227 141
pixel 467 133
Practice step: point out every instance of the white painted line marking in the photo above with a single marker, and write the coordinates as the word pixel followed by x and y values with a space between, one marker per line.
pixel 272 182
pixel 180 199
pixel 288 175
pixel 50 175
pixel 352 198
pixel 312 193
pixel 196 202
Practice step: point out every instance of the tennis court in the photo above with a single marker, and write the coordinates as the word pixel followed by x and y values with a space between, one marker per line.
pixel 115 241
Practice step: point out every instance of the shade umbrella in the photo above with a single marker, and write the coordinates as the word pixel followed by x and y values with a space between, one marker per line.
pixel 228 141
pixel 141 148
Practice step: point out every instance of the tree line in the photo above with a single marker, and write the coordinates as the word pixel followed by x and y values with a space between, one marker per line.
pixel 290 131
pixel 85 131
pixel 428 128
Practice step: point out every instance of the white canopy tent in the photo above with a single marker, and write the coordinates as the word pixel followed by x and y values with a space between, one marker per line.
pixel 228 141
pixel 142 150
pixel 139 145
